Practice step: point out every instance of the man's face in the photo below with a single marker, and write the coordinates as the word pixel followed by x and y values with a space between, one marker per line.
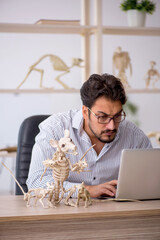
pixel 104 132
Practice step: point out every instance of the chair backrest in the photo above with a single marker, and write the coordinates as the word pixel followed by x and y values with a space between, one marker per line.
pixel 26 139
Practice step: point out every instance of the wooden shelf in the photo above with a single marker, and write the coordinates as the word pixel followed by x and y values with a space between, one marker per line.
pixel 146 31
pixel 45 28
pixel 19 91
pixel 68 29
pixel 144 90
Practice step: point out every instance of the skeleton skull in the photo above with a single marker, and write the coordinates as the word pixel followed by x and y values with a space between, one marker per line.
pixel 65 144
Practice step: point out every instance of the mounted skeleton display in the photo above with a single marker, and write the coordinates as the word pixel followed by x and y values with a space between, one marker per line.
pixel 58 65
pixel 61 166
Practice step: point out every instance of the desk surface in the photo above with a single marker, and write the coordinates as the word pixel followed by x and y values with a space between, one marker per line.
pixel 13 208
pixel 102 220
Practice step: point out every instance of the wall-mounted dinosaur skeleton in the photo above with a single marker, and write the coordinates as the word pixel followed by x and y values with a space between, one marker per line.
pixel 58 65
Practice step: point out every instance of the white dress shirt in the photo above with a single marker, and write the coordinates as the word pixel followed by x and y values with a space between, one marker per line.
pixel 101 168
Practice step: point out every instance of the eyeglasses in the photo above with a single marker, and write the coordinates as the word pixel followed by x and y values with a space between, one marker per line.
pixel 103 119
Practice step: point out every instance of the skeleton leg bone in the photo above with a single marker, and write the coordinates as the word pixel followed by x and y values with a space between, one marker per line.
pixel 59 81
pixel 66 200
pixel 24 79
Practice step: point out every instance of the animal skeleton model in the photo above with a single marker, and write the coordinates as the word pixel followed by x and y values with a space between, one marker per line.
pixel 36 193
pixel 84 195
pixel 152 75
pixel 58 65
pixel 61 166
pixel 156 135
pixel 121 61
pixel 39 194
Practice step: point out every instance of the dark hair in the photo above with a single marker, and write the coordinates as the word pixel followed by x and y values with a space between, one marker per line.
pixel 102 85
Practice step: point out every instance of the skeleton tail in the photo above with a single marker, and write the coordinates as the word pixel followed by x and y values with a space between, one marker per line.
pixel 87 152
pixel 43 173
pixel 14 178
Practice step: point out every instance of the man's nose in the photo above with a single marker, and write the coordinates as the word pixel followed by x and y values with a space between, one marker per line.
pixel 111 124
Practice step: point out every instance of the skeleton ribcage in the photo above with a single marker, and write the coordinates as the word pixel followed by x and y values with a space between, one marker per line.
pixel 61 171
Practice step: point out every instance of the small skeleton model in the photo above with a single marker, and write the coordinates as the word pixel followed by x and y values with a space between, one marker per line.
pixel 84 195
pixel 152 75
pixel 39 194
pixel 121 61
pixel 156 135
pixel 36 193
pixel 58 65
pixel 61 166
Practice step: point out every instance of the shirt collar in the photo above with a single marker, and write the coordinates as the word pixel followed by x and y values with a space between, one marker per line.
pixel 77 122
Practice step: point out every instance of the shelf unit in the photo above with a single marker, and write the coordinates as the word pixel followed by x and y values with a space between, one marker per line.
pixel 18 91
pixel 44 29
pixel 132 31
pixel 85 30
pixel 68 29
pixel 50 91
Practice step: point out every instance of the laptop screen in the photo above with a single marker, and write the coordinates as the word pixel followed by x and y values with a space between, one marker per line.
pixel 139 174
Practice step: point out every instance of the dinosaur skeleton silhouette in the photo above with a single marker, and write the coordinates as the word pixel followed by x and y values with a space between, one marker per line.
pixel 58 65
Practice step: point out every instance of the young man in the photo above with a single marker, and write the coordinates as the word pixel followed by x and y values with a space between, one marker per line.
pixel 102 122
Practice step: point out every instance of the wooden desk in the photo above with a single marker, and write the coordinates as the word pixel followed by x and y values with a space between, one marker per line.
pixel 104 220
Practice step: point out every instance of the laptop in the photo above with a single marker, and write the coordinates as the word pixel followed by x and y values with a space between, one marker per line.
pixel 139 174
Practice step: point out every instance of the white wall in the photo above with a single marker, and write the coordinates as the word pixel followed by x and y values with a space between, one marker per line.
pixel 19 51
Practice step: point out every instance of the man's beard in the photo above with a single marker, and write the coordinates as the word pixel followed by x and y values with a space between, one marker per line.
pixel 99 138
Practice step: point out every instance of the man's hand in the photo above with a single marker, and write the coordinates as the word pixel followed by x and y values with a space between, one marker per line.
pixel 107 188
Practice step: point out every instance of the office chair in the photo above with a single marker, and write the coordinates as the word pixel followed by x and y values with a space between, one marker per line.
pixel 26 139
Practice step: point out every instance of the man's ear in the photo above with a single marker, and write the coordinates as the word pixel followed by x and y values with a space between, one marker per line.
pixel 85 112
